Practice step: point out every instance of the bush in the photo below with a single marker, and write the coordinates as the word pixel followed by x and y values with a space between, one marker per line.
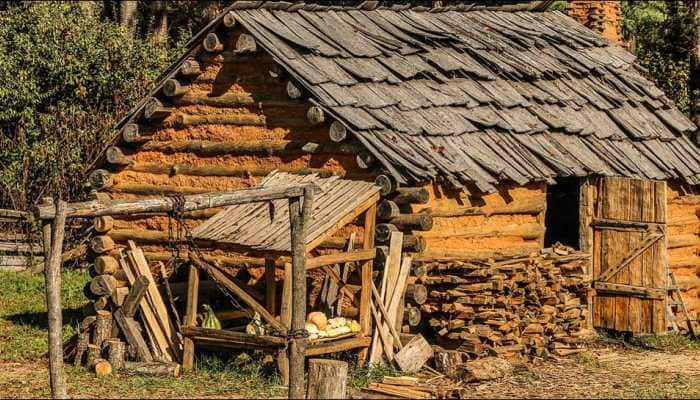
pixel 66 77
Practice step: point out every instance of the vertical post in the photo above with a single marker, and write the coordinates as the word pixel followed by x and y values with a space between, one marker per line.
pixel 270 285
pixel 366 272
pixel 286 320
pixel 298 222
pixel 53 240
pixel 190 315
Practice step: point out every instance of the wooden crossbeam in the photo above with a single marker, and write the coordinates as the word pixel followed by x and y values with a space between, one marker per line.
pixel 648 242
pixel 629 290
pixel 344 257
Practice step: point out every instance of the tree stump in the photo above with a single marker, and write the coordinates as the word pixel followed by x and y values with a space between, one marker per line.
pixel 116 350
pixel 153 368
pixel 103 328
pixel 327 379
pixel 93 354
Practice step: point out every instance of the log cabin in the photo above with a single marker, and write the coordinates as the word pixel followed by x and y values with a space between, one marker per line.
pixel 491 133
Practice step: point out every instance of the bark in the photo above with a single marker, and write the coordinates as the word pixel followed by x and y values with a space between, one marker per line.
pixel 127 15
pixel 694 76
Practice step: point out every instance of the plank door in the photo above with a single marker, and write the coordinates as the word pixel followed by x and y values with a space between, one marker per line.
pixel 629 255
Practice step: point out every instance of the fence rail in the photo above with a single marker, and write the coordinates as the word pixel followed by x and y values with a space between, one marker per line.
pixel 20 247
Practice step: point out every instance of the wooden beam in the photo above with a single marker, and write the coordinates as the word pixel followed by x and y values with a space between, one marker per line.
pixel 611 271
pixel 629 290
pixel 237 338
pixel 337 258
pixel 315 349
pixel 365 205
pixel 190 315
pixel 366 277
pixel 96 208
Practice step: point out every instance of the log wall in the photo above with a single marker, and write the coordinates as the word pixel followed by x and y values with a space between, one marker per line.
pixel 684 242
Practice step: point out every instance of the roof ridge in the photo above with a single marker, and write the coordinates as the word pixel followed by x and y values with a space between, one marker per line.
pixel 370 5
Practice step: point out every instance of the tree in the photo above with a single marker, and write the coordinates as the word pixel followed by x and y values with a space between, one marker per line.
pixel 694 75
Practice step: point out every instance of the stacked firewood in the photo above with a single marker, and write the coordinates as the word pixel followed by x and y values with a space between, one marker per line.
pixel 126 319
pixel 522 307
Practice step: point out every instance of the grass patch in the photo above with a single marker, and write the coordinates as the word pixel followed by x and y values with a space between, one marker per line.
pixel 23 321
pixel 588 360
pixel 360 377
pixel 672 342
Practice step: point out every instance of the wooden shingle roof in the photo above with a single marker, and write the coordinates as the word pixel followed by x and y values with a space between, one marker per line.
pixel 265 226
pixel 473 95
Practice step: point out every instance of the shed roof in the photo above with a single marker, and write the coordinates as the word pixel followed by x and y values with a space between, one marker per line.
pixel 265 226
pixel 477 96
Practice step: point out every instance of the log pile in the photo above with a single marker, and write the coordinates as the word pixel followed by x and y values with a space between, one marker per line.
pixel 424 385
pixel 518 308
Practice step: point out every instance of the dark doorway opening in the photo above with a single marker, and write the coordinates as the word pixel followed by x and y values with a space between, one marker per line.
pixel 562 216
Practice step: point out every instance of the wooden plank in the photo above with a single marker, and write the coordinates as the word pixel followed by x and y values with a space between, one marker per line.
pixel 371 202
pixel 238 338
pixel 190 315
pixel 620 224
pixel 648 242
pixel 661 260
pixel 628 290
pixel 270 285
pixel 379 300
pixel 14 247
pixel 344 257
pixel 16 261
pixel 366 277
pixel 345 272
pixel 397 297
pixel 315 349
pixel 129 327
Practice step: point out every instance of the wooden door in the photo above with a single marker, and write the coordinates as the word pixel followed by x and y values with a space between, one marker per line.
pixel 628 221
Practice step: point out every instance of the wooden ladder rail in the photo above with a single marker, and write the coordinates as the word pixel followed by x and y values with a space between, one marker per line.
pixel 675 290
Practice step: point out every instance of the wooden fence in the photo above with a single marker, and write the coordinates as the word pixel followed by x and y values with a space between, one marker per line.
pixel 20 248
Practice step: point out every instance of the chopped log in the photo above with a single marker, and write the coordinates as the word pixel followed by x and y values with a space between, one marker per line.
pixel 382 232
pixel 386 183
pixel 102 367
pixel 212 44
pixel 131 134
pixel 102 244
pixel 106 265
pixel 294 91
pixel 417 293
pixel 155 110
pixel 189 68
pixel 101 303
pixel 81 347
pixel 387 209
pixel 365 159
pixel 103 224
pixel 277 72
pixel 119 295
pixel 103 285
pixel 415 244
pixel 103 328
pixel 527 231
pixel 114 155
pixel 230 19
pixel 133 299
pixel 414 354
pixel 420 222
pixel 411 195
pixel 184 120
pixel 327 379
pixel 133 336
pixel 173 88
pixel 116 351
pixel 93 354
pixel 315 115
pixel 157 369
pixel 412 316
pixel 337 132
pixel 245 44
pixel 100 179
pixel 447 362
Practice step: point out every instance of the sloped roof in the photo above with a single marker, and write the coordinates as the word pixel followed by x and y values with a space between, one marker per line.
pixel 265 226
pixel 477 96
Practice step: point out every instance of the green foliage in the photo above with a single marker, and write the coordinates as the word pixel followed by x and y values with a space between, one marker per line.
pixel 65 77
pixel 661 33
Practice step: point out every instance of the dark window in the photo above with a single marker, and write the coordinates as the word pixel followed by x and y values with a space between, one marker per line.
pixel 562 216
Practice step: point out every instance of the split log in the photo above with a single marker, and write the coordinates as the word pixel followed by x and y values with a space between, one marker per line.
pixel 327 379
pixel 417 293
pixel 315 115
pixel 116 353
pixel 382 232
pixel 184 120
pixel 414 354
pixel 387 209
pixel 103 285
pixel 173 88
pixel 132 332
pixel 103 224
pixel 133 299
pixel 415 244
pixel 102 244
pixel 412 316
pixel 100 179
pixel 294 91
pixel 365 159
pixel 212 44
pixel 114 155
pixel 155 110
pixel 386 183
pixel 189 68
pixel 420 222
pixel 131 134
pixel 411 195
pixel 245 44
pixel 119 295
pixel 337 132
pixel 230 19
pixel 447 362
pixel 103 328
pixel 152 369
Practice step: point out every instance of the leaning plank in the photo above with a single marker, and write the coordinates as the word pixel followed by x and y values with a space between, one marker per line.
pixel 97 208
pixel 345 257
pixel 414 355
pixel 129 327
pixel 218 276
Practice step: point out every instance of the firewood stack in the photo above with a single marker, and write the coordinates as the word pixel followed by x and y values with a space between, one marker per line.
pixel 517 308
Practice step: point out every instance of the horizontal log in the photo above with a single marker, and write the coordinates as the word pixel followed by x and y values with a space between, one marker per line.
pixel 387 209
pixel 277 72
pixel 190 68
pixel 382 232
pixel 411 195
pixel 96 208
pixel 14 237
pixel 416 293
pixel 337 258
pixel 100 179
pixel 6 262
pixel 212 44
pixel 156 190
pixel 629 290
pixel 13 247
pixel 231 100
pixel 103 224
pixel 232 337
pixel 157 369
pixel 526 231
pixel 387 184
pixel 114 155
pixel 184 120
pixel 252 147
pixel 683 262
pixel 336 346
pixel 605 223
pixel 364 159
pixel 315 115
pixel 131 133
pixel 222 170
pixel 106 265
pixel 101 244
pixel 294 91
pixel 230 19
pixel 529 206
pixel 522 250
pixel 684 240
pixel 225 261
pixel 173 88
pixel 14 214
pixel 421 222
pixel 689 200
pixel 245 44
pixel 337 132
pixel 155 110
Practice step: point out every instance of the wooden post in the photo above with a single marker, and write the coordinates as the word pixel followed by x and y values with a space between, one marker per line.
pixel 53 235
pixel 327 379
pixel 270 285
pixel 366 272
pixel 298 223
pixel 190 316
pixel 286 319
